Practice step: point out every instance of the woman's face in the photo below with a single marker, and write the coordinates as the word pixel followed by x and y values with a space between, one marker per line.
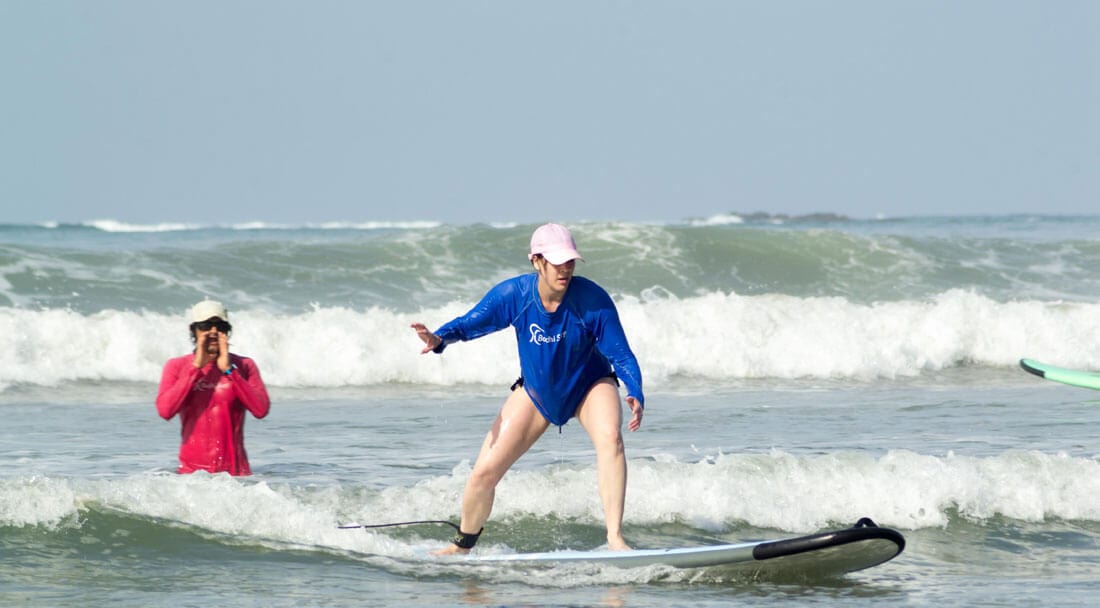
pixel 555 277
pixel 206 334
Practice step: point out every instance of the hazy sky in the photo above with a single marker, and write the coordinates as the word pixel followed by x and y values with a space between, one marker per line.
pixel 313 111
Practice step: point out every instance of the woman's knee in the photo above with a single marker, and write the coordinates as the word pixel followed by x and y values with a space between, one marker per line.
pixel 616 441
pixel 484 478
pixel 607 439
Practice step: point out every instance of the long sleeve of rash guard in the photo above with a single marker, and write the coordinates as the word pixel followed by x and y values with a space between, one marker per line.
pixel 249 387
pixel 175 385
pixel 494 312
pixel 612 343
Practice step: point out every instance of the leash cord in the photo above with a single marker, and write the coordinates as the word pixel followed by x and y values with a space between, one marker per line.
pixel 401 523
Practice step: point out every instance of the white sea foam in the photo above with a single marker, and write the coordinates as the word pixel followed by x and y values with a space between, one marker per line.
pixel 713 336
pixel 776 490
pixel 108 225
pixel 721 219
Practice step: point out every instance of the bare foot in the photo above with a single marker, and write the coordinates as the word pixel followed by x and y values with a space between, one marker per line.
pixel 450 550
pixel 617 544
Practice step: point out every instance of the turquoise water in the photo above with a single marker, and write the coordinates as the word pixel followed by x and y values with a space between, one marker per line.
pixel 800 375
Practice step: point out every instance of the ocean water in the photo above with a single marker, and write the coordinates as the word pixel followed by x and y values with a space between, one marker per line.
pixel 801 373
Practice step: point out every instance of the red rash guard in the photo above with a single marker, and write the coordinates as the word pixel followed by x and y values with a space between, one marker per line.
pixel 211 406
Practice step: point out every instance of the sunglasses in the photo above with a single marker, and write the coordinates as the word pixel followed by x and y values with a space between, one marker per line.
pixel 222 326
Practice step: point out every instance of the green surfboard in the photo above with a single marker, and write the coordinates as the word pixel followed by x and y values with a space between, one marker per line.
pixel 1072 377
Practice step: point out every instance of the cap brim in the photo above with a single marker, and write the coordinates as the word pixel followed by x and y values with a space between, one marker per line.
pixel 562 256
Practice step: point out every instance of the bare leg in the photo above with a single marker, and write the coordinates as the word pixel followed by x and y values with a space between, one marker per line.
pixel 601 415
pixel 517 427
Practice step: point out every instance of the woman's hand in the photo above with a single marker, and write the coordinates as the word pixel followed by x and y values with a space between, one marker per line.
pixel 431 341
pixel 637 409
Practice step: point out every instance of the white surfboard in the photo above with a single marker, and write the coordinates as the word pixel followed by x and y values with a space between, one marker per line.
pixel 862 546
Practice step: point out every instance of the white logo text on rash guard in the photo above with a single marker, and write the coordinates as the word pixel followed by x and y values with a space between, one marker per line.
pixel 203 385
pixel 538 335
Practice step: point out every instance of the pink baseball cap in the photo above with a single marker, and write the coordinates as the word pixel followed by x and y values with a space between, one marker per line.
pixel 555 243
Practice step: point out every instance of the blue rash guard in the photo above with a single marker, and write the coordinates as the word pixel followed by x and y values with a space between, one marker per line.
pixel 561 354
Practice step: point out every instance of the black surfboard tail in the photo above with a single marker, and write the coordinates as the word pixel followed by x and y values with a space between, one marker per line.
pixel 863 545
pixel 1026 365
